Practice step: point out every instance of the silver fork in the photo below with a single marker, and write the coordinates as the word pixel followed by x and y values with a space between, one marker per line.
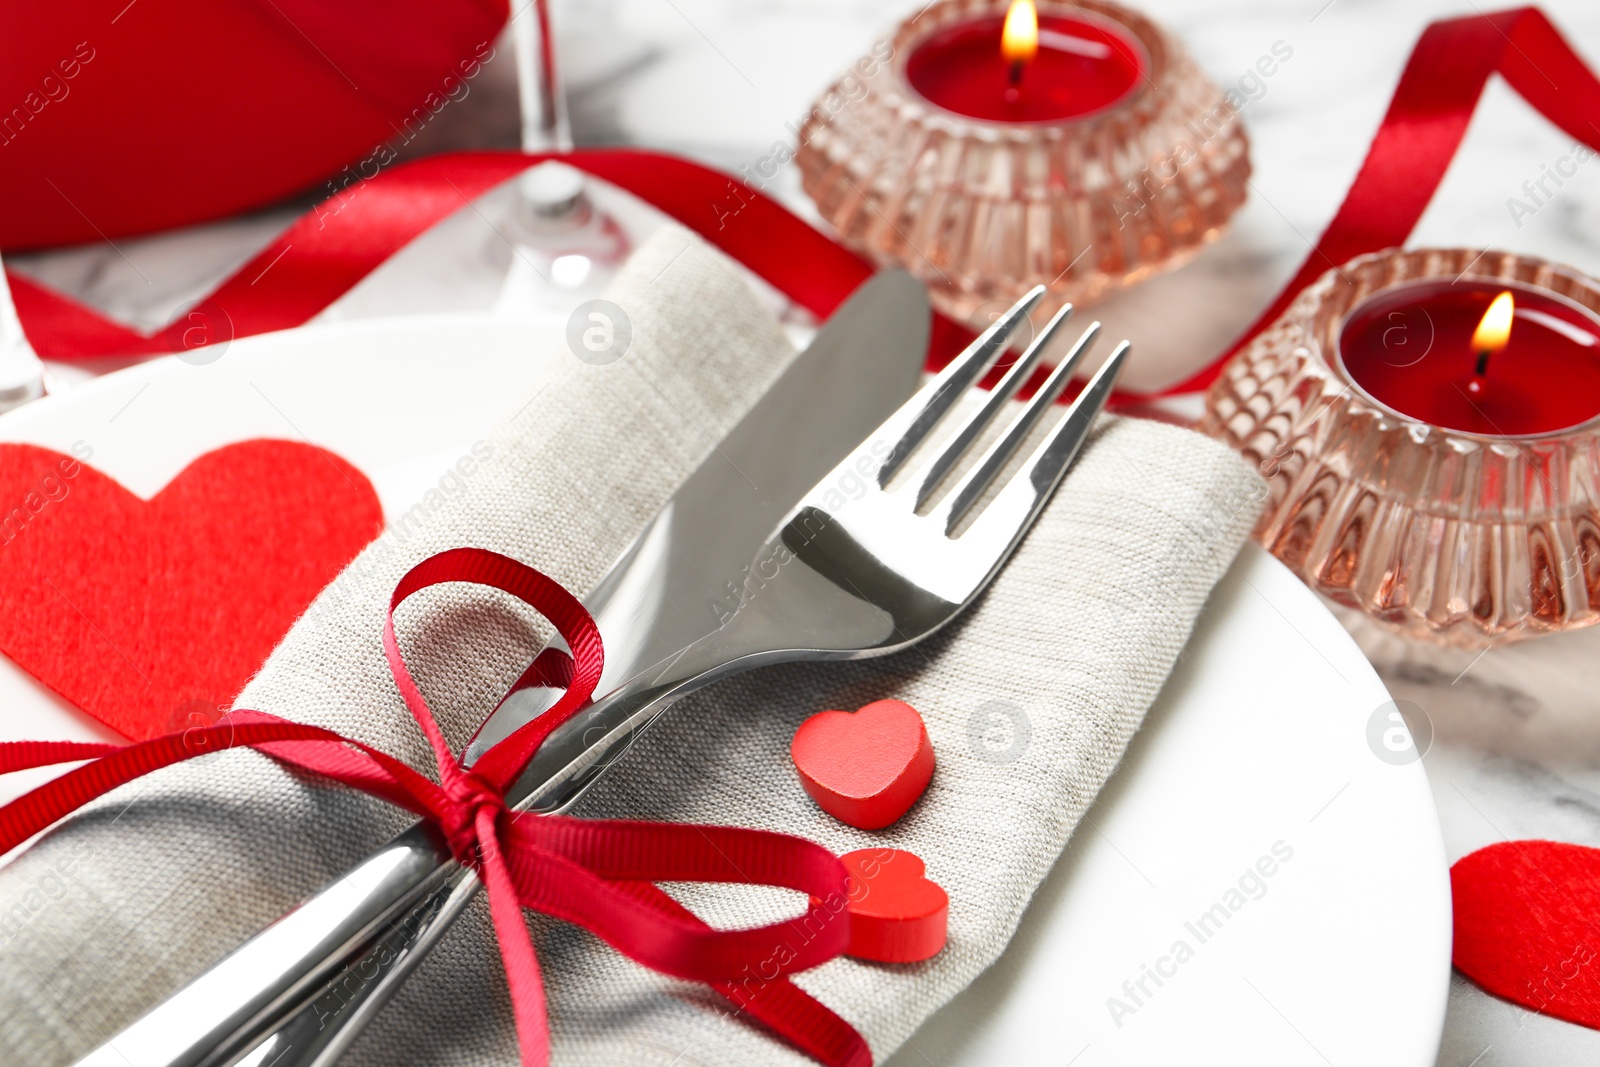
pixel 867 577
pixel 876 574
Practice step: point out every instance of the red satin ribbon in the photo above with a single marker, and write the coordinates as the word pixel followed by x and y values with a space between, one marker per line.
pixel 1424 126
pixel 340 241
pixel 595 873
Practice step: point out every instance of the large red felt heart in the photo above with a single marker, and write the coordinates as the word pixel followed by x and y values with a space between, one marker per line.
pixel 865 769
pixel 1526 927
pixel 149 614
pixel 896 914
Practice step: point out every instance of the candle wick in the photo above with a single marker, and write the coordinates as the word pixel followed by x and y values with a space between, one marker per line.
pixel 1483 363
pixel 1016 73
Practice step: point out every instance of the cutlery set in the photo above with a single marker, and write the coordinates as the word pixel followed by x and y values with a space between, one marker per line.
pixel 941 494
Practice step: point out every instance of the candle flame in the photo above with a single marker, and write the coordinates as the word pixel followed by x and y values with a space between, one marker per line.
pixel 1494 330
pixel 1019 38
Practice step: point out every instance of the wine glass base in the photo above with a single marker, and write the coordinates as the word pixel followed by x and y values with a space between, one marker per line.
pixel 566 246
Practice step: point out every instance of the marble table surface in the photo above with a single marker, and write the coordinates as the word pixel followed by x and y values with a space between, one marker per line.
pixel 1516 748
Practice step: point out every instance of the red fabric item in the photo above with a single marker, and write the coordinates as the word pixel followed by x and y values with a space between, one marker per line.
pixel 866 768
pixel 342 240
pixel 131 117
pixel 582 871
pixel 897 914
pixel 1524 926
pixel 151 615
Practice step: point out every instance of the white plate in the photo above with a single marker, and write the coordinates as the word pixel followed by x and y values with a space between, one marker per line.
pixel 1259 740
pixel 1339 958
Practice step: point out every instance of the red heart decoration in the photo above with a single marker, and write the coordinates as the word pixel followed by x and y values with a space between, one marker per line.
pixel 150 615
pixel 896 914
pixel 1526 926
pixel 865 769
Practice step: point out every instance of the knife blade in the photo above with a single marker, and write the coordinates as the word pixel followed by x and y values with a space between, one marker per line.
pixel 270 1000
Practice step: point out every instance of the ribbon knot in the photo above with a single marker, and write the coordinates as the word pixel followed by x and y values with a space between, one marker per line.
pixel 470 817
pixel 598 874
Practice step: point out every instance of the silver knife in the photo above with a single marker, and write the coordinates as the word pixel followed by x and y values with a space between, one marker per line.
pixel 299 992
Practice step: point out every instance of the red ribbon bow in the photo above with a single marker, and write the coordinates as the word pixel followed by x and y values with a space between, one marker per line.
pixel 595 873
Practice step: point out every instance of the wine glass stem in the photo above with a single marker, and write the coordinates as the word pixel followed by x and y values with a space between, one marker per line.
pixel 11 334
pixel 539 91
pixel 21 373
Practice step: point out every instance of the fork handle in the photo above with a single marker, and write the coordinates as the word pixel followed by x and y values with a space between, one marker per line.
pixel 321 1032
pixel 227 1009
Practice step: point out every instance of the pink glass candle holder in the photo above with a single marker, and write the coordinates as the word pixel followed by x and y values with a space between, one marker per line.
pixel 1436 474
pixel 1104 158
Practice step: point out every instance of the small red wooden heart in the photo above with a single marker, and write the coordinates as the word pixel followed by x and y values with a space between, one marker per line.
pixel 896 914
pixel 1525 926
pixel 150 614
pixel 865 769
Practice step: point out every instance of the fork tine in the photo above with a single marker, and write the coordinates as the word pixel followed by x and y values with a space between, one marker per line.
pixel 940 395
pixel 936 469
pixel 1052 458
pixel 983 473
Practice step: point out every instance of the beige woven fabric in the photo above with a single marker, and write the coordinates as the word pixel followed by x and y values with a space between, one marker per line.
pixel 1030 701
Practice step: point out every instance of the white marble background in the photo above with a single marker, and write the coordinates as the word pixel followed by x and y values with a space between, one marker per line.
pixel 1516 751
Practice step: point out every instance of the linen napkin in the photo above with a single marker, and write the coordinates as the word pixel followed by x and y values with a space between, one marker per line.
pixel 1029 700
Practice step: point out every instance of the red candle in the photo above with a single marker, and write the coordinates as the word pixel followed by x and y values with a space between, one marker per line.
pixel 1483 357
pixel 1036 69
